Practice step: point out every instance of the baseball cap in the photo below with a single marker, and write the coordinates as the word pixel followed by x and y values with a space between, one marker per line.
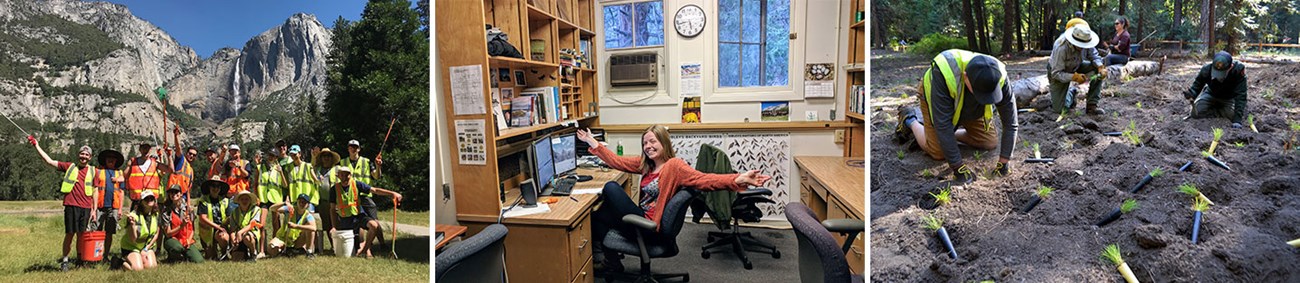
pixel 1222 63
pixel 986 78
pixel 354 143
pixel 304 197
pixel 146 194
pixel 234 147
pixel 176 187
pixel 295 149
pixel 85 149
pixel 342 169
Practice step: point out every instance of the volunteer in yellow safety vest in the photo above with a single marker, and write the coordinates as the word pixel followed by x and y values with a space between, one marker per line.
pixel 78 195
pixel 246 224
pixel 961 89
pixel 142 234
pixel 214 212
pixel 271 185
pixel 348 214
pixel 302 178
pixel 299 234
pixel 108 201
pixel 362 171
pixel 145 172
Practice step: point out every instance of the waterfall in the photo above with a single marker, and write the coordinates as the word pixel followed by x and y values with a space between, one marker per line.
pixel 234 86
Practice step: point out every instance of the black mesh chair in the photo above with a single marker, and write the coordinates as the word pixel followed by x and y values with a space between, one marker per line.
pixel 481 258
pixel 820 258
pixel 744 207
pixel 648 243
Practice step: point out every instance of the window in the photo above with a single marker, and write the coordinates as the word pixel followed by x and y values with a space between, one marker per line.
pixel 638 24
pixel 753 43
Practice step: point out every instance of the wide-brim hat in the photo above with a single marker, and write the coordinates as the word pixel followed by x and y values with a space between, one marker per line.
pixel 987 76
pixel 209 184
pixel 1082 36
pixel 325 159
pixel 109 153
pixel 243 194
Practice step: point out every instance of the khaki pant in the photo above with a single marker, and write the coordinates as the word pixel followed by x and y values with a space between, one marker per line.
pixel 980 134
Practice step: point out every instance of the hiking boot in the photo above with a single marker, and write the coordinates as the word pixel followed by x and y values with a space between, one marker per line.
pixel 311 255
pixel 1093 109
pixel 63 264
pixel 906 115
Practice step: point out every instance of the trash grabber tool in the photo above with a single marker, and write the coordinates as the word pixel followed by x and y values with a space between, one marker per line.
pixel 385 143
pixel 393 247
pixel 20 128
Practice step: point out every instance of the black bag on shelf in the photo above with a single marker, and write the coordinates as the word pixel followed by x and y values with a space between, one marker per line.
pixel 498 46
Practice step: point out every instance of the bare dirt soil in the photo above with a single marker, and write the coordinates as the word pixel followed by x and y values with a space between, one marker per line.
pixel 1242 239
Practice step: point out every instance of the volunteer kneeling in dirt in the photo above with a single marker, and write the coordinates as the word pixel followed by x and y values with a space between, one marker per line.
pixel 78 195
pixel 1072 61
pixel 1219 90
pixel 141 234
pixel 961 88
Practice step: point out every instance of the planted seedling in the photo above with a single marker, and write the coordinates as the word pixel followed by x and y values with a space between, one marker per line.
pixel 1132 134
pixel 1191 190
pixel 1138 104
pixel 944 197
pixel 979 155
pixel 1218 134
pixel 1042 193
pixel 1038 156
pixel 901 153
pixel 1147 179
pixel 936 224
pixel 1294 243
pixel 927 173
pixel 1239 144
pixel 1128 206
pixel 1251 120
pixel 1062 116
pixel 1199 205
pixel 1111 253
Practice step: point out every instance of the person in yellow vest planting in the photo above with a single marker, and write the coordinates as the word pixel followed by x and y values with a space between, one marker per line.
pixel 214 211
pixel 108 201
pixel 141 234
pixel 348 213
pixel 78 195
pixel 246 224
pixel 145 172
pixel 299 233
pixel 958 96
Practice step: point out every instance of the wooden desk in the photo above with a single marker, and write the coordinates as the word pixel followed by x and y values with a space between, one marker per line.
pixel 448 232
pixel 553 246
pixel 833 190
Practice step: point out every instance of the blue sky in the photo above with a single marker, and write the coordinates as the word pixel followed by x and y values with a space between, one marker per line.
pixel 210 25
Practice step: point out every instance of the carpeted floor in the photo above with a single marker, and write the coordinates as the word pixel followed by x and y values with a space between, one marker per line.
pixel 725 266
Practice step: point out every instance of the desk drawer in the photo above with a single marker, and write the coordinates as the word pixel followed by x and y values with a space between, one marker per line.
pixel 587 273
pixel 580 244
pixel 857 254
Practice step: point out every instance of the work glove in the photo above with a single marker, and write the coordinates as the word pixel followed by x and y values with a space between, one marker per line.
pixel 1187 94
pixel 31 139
pixel 1102 71
pixel 1236 125
pixel 1079 78
pixel 1003 169
pixel 961 175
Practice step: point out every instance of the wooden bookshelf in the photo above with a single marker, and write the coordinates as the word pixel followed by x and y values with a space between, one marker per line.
pixel 479 188
pixel 740 126
pixel 855 137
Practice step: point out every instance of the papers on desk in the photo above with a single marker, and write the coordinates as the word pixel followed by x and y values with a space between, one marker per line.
pixel 439 238
pixel 586 191
pixel 520 210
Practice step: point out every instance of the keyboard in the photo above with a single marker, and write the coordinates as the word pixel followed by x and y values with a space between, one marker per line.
pixel 563 186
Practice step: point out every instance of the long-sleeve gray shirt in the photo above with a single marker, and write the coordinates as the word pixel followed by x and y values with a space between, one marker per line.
pixel 1066 58
pixel 943 107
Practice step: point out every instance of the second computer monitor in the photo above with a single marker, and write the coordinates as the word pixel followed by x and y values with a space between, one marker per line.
pixel 565 153
pixel 543 162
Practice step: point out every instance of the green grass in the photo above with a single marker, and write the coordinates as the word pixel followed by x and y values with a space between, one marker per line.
pixel 30 205
pixel 32 245
pixel 405 217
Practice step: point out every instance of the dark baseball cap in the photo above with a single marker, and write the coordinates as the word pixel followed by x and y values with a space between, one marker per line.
pixel 1222 63
pixel 986 77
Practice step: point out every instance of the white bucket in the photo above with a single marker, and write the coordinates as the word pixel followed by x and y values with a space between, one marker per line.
pixel 343 241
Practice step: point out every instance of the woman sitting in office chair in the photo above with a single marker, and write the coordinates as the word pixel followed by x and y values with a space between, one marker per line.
pixel 662 174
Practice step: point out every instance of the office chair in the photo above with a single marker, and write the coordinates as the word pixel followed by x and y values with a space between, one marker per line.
pixel 648 243
pixel 476 259
pixel 820 258
pixel 724 206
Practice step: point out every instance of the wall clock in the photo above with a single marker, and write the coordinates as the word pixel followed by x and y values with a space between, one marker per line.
pixel 689 20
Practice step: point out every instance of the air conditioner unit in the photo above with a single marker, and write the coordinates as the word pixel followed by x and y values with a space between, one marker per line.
pixel 635 69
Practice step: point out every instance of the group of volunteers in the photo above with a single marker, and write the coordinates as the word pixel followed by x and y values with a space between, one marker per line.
pixel 962 89
pixel 275 205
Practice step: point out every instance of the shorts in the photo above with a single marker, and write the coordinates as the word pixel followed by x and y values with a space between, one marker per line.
pixel 351 223
pixel 370 212
pixel 106 220
pixel 75 219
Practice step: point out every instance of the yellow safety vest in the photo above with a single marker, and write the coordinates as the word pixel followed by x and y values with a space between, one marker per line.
pixel 347 202
pixel 952 63
pixel 269 189
pixel 70 180
pixel 360 172
pixel 301 182
pixel 216 212
pixel 252 216
pixel 146 228
pixel 287 234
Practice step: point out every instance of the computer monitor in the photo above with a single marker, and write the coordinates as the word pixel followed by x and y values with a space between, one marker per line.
pixel 543 163
pixel 565 152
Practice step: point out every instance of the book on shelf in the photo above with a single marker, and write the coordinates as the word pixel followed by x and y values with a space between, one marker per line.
pixel 857 99
pixel 521 111
pixel 548 102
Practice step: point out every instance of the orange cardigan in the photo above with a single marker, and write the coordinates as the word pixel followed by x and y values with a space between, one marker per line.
pixel 672 176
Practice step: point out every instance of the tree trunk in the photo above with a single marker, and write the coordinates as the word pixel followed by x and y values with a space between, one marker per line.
pixel 1047 27
pixel 1207 25
pixel 969 25
pixel 982 25
pixel 1122 7
pixel 1178 18
pixel 1008 26
pixel 1018 25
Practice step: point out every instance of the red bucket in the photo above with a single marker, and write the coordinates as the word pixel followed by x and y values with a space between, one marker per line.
pixel 91 246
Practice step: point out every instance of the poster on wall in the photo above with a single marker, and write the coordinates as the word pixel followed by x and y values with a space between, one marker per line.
pixel 467 89
pixel 691 110
pixel 692 83
pixel 819 80
pixel 775 111
pixel 471 142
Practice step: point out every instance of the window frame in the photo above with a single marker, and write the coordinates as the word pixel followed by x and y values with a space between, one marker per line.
pixel 792 91
pixel 632 4
pixel 635 95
